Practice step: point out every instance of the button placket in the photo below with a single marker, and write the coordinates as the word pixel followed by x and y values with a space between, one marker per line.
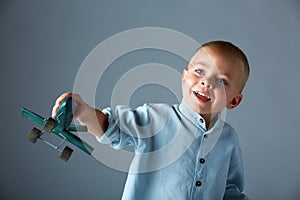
pixel 201 121
pixel 202 160
pixel 198 183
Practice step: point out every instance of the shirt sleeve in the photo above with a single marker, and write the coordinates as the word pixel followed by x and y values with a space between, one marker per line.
pixel 235 179
pixel 126 126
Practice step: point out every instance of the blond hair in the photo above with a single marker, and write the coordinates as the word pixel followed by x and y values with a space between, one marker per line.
pixel 232 52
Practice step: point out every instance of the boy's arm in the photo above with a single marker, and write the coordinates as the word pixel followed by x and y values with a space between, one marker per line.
pixel 235 179
pixel 95 120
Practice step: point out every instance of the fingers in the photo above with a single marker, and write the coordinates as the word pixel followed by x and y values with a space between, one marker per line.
pixel 58 102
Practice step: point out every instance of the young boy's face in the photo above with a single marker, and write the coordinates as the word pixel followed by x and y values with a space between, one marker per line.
pixel 211 82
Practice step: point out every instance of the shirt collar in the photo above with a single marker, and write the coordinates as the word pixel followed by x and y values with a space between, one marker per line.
pixel 197 119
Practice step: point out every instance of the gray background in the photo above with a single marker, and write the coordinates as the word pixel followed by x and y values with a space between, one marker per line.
pixel 43 44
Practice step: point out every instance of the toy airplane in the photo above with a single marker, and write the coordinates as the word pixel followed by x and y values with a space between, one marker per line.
pixel 61 126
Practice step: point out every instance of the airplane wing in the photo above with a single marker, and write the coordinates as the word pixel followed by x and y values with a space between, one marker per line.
pixel 60 126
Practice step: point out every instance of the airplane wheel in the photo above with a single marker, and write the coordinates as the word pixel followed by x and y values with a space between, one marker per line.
pixel 34 135
pixel 50 124
pixel 66 154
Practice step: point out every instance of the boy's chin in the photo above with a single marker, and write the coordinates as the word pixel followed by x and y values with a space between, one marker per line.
pixel 200 111
pixel 206 112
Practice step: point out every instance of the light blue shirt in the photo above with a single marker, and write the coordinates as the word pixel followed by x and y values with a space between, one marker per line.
pixel 175 156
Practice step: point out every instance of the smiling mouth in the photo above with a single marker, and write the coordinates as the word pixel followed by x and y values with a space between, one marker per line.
pixel 202 97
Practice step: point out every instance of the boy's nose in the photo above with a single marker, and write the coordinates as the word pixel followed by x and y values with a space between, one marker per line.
pixel 206 84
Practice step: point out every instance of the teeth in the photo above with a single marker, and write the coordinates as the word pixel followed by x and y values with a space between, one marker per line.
pixel 203 95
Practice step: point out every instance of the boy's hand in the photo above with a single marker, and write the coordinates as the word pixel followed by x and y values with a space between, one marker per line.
pixel 78 104
pixel 95 120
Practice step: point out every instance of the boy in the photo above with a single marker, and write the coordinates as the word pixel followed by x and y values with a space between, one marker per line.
pixel 182 151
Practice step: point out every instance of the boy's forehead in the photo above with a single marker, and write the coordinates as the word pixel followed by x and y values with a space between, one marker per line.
pixel 202 56
pixel 212 58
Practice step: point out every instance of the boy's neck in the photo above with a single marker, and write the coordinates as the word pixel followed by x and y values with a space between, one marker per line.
pixel 210 120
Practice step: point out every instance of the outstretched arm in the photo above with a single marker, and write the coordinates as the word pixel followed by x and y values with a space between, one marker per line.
pixel 95 120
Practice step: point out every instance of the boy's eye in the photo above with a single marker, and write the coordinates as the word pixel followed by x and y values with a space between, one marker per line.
pixel 200 71
pixel 221 81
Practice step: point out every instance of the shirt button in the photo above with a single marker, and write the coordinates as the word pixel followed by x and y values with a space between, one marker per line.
pixel 201 120
pixel 198 183
pixel 202 160
pixel 205 136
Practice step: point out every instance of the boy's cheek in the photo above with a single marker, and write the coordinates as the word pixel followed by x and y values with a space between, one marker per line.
pixel 186 85
pixel 221 99
pixel 185 90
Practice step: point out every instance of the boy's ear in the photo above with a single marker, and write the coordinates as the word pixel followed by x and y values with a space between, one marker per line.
pixel 235 101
